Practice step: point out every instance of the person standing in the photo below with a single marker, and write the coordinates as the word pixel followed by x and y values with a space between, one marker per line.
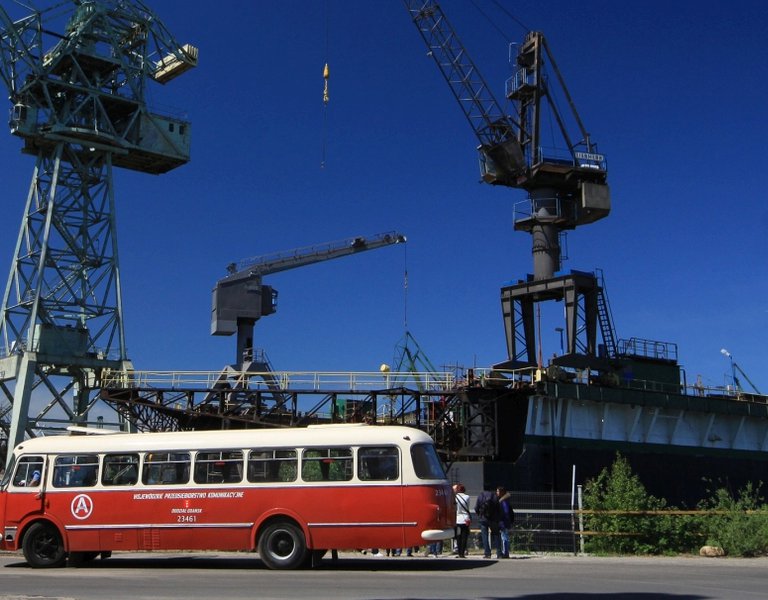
pixel 507 518
pixel 489 513
pixel 463 519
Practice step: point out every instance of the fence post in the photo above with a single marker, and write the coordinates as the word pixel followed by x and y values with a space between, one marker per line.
pixel 581 520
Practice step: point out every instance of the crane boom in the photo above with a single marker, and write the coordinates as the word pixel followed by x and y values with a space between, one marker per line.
pixel 738 386
pixel 497 132
pixel 299 257
pixel 18 43
pixel 240 299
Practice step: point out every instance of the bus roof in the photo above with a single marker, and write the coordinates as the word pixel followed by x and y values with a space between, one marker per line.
pixel 335 434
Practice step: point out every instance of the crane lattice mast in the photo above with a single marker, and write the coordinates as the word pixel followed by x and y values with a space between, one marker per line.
pixel 77 75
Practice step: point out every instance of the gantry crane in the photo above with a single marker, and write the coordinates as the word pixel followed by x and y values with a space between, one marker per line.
pixel 566 186
pixel 240 299
pixel 77 75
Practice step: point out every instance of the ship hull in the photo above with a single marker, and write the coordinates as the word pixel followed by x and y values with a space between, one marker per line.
pixel 681 475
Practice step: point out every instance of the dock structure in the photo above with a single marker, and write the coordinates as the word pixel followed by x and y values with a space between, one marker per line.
pixel 468 417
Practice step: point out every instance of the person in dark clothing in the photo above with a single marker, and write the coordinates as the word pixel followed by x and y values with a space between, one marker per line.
pixel 489 514
pixel 507 515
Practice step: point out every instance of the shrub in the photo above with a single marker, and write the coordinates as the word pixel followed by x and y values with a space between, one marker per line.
pixel 618 489
pixel 739 525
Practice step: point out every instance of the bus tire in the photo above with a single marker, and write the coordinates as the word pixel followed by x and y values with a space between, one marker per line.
pixel 282 546
pixel 43 546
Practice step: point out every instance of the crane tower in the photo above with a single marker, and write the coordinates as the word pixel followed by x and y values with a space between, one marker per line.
pixel 77 75
pixel 566 184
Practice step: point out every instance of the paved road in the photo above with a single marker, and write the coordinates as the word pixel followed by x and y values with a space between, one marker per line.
pixel 211 576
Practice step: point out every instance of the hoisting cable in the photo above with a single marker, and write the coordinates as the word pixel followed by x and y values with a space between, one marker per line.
pixel 493 23
pixel 405 288
pixel 511 16
pixel 326 76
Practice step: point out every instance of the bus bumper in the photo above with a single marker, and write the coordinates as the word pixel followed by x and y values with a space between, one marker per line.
pixel 435 535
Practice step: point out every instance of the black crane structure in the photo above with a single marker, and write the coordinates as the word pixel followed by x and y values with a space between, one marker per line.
pixel 566 185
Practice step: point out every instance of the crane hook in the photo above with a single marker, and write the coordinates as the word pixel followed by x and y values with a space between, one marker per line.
pixel 326 76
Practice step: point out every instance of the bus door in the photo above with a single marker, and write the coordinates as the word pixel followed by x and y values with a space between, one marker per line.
pixel 382 467
pixel 22 494
pixel 121 512
pixel 4 481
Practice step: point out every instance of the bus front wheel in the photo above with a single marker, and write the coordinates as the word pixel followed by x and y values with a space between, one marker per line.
pixel 282 546
pixel 43 546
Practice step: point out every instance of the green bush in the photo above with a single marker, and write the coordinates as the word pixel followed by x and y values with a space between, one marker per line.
pixel 739 525
pixel 618 489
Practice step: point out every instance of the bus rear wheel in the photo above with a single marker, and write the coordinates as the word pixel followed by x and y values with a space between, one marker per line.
pixel 43 546
pixel 282 546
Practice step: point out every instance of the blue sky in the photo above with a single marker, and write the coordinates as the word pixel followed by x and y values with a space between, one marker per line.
pixel 674 94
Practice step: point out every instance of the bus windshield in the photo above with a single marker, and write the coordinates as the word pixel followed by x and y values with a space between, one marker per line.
pixel 426 463
pixel 7 475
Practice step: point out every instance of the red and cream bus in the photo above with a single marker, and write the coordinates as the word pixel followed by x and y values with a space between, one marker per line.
pixel 290 494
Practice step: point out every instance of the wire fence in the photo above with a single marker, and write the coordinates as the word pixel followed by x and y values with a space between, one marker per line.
pixel 545 522
pixel 555 522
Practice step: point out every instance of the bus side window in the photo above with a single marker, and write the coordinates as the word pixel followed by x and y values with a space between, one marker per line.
pixel 326 464
pixel 25 471
pixel 274 465
pixel 120 469
pixel 377 463
pixel 75 470
pixel 225 466
pixel 166 468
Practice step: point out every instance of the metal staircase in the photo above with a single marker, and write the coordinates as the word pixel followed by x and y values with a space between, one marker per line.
pixel 605 318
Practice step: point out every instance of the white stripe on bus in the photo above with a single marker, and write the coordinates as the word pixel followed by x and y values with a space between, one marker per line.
pixel 157 526
pixel 410 524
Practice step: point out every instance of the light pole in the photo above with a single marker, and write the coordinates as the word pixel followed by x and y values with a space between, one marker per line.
pixel 725 352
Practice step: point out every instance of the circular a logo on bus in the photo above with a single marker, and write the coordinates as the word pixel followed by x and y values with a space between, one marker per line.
pixel 81 507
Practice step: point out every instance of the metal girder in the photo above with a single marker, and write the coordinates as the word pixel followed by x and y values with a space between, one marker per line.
pixel 474 420
pixel 76 74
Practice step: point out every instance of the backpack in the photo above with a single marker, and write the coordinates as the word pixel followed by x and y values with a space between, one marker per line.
pixel 507 517
pixel 487 506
